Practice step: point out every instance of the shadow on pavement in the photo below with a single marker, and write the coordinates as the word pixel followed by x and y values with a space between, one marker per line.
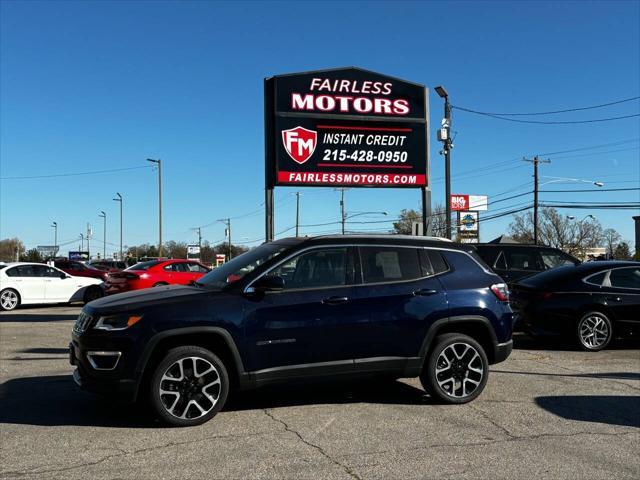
pixel 612 410
pixel 44 350
pixel 36 317
pixel 56 400
pixel 604 375
pixel 527 342
pixel 385 391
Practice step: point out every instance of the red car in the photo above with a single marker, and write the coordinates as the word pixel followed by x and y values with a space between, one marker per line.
pixel 79 269
pixel 154 273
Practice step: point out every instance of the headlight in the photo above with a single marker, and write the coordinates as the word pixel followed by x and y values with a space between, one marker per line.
pixel 117 322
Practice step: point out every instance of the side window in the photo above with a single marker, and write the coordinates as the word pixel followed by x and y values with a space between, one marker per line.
pixel 551 259
pixel 175 267
pixel 521 259
pixel 389 264
pixel 21 271
pixel 625 278
pixel 597 279
pixel 432 262
pixel 40 271
pixel 315 269
pixel 52 272
pixel 501 262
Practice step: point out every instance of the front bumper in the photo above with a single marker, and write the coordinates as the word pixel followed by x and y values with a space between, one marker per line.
pixel 501 351
pixel 124 390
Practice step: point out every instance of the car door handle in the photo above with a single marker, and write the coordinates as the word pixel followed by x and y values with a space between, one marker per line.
pixel 335 300
pixel 613 299
pixel 425 292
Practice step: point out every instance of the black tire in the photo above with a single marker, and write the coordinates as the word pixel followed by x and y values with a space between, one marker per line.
pixel 589 331
pixel 159 284
pixel 445 389
pixel 9 299
pixel 92 293
pixel 177 409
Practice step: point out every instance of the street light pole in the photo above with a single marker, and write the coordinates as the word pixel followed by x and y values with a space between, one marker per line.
pixel 55 238
pixel 81 242
pixel 104 233
pixel 227 222
pixel 297 213
pixel 444 135
pixel 159 163
pixel 119 199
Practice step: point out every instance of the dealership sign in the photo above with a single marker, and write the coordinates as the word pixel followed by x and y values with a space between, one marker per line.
pixel 461 203
pixel 468 230
pixel 345 127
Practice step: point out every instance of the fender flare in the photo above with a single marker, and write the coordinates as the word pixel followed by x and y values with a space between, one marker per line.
pixel 176 332
pixel 438 324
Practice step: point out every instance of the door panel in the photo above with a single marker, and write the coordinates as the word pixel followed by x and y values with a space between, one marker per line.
pixel 58 289
pixel 303 323
pixel 623 294
pixel 29 284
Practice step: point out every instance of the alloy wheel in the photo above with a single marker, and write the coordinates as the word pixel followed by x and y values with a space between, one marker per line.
pixel 9 300
pixel 459 370
pixel 190 388
pixel 594 331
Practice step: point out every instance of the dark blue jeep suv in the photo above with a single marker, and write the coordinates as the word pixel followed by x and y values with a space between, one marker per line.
pixel 300 308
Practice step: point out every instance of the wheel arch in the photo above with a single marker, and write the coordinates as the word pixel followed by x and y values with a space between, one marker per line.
pixel 215 339
pixel 475 326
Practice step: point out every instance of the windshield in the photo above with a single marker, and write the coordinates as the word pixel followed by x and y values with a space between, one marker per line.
pixel 144 265
pixel 237 268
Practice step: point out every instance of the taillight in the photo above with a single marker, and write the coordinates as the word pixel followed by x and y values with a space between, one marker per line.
pixel 543 295
pixel 501 291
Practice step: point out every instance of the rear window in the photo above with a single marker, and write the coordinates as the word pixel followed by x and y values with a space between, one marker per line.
pixel 432 262
pixel 625 278
pixel 597 279
pixel 144 265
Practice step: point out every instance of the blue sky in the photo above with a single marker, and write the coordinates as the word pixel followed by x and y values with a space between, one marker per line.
pixel 100 85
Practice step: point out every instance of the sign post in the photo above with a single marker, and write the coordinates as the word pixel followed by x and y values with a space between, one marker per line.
pixel 345 127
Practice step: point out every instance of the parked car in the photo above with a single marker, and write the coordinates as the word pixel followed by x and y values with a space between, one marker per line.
pixel 335 306
pixel 514 262
pixel 108 265
pixel 23 283
pixel 79 269
pixel 155 273
pixel 589 303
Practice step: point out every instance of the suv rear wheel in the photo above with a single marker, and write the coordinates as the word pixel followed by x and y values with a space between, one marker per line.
pixel 188 387
pixel 456 370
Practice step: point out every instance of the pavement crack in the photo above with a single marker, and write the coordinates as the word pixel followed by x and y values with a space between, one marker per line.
pixel 492 421
pixel 318 448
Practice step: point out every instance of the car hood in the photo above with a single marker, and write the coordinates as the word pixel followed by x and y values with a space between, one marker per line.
pixel 148 297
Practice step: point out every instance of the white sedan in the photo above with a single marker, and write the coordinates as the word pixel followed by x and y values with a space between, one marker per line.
pixel 24 283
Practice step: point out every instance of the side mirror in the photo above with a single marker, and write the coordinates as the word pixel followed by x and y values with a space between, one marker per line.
pixel 268 283
pixel 63 276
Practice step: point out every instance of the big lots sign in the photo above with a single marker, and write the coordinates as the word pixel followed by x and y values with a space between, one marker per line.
pixel 348 127
pixel 468 202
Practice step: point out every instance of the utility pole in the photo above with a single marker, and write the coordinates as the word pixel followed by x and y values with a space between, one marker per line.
pixel 535 160
pixel 119 199
pixel 343 215
pixel 159 163
pixel 444 135
pixel 81 242
pixel 55 238
pixel 227 232
pixel 88 238
pixel 104 233
pixel 297 213
pixel 199 230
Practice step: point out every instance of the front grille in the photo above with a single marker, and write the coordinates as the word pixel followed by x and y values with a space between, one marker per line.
pixel 82 323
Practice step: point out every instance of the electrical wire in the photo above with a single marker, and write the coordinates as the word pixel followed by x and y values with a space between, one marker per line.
pixel 548 122
pixel 612 144
pixel 95 172
pixel 555 111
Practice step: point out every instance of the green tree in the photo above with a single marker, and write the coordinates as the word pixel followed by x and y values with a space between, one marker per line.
pixel 622 251
pixel 32 255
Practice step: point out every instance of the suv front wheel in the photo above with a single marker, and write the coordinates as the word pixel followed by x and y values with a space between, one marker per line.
pixel 188 387
pixel 456 370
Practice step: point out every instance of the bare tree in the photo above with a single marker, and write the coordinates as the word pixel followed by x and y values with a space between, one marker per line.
pixel 435 223
pixel 612 239
pixel 11 249
pixel 559 231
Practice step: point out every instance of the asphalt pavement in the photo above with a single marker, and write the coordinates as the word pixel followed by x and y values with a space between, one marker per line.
pixel 547 412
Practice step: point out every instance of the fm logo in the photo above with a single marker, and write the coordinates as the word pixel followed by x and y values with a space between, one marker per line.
pixel 299 143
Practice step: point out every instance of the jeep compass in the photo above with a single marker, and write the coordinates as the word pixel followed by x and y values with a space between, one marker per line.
pixel 300 308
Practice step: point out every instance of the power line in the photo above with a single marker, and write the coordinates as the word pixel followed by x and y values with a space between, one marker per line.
pixel 554 111
pixel 95 172
pixel 548 122
pixel 595 153
pixel 591 190
pixel 612 144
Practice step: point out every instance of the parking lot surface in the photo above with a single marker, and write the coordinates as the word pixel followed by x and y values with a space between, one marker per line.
pixel 547 412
